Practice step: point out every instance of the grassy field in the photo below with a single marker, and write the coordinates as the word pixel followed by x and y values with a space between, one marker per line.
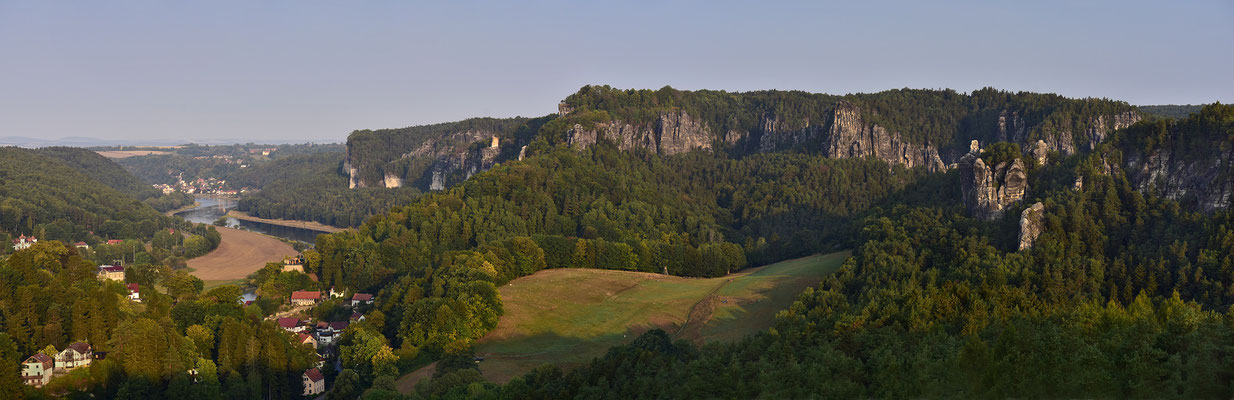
pixel 569 316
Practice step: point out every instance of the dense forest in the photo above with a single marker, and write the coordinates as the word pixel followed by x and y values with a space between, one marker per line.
pixel 49 297
pixel 312 188
pixel 1171 110
pixel 944 118
pixel 1122 295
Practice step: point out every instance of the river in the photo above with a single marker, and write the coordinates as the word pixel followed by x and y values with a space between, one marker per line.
pixel 211 208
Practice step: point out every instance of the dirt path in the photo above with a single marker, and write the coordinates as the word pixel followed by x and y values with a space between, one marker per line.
pixel 239 254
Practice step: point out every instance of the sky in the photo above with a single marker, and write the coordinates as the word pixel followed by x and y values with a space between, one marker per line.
pixel 303 70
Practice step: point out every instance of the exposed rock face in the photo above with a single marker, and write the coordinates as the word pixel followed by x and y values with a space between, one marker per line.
pixel 1031 224
pixel 988 191
pixel 1011 127
pixel 672 133
pixel 448 158
pixel 1198 183
pixel 1039 152
pixel 849 136
pixel 1101 126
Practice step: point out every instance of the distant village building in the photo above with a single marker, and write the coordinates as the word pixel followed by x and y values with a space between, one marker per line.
pixel 37 370
pixel 293 264
pixel 115 241
pixel 304 338
pixel 78 354
pixel 113 272
pixel 314 382
pixel 82 245
pixel 291 324
pixel 24 242
pixel 361 298
pixel 336 294
pixel 134 292
pixel 305 298
pixel 356 317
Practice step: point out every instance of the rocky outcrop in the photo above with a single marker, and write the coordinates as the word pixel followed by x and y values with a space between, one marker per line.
pixel 1031 224
pixel 847 135
pixel 435 163
pixel 850 136
pixel 1100 127
pixel 673 133
pixel 1202 183
pixel 987 191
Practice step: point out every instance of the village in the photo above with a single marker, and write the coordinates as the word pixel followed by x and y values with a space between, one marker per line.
pixel 41 368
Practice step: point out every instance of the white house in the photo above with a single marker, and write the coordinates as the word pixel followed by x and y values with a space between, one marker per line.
pixel 23 242
pixel 76 355
pixel 334 293
pixel 37 370
pixel 361 298
pixel 134 292
pixel 314 382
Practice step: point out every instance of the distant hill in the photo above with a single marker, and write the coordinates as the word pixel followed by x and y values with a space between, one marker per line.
pixel 1171 110
pixel 102 170
pixel 56 198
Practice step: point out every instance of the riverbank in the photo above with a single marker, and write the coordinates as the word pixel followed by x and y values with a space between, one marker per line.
pixel 239 254
pixel 183 209
pixel 310 225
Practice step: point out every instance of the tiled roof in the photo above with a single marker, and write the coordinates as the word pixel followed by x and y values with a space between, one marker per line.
pixel 314 375
pixel 289 322
pixel 80 347
pixel 303 295
pixel 362 297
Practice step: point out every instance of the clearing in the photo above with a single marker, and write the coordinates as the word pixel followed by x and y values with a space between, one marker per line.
pixel 238 255
pixel 570 316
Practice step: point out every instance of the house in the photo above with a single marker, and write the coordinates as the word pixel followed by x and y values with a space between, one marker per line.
pixel 24 242
pixel 325 337
pixel 134 292
pixel 115 241
pixel 305 298
pixel 78 354
pixel 339 326
pixel 82 245
pixel 113 272
pixel 37 370
pixel 304 338
pixel 356 317
pixel 293 264
pixel 291 324
pixel 361 298
pixel 314 382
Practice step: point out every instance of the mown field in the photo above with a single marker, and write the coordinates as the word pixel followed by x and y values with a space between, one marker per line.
pixel 569 316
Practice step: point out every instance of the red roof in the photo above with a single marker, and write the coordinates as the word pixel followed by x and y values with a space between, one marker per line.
pixel 314 375
pixel 338 326
pixel 43 359
pixel 115 241
pixel 304 295
pixel 355 316
pixel 112 268
pixel 289 322
pixel 80 347
pixel 303 337
pixel 133 288
pixel 362 297
pixel 80 244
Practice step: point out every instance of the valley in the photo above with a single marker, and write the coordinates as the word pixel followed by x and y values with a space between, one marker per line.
pixel 569 316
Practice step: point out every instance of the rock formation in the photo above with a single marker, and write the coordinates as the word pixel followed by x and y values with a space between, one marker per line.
pixel 849 136
pixel 1031 224
pixel 1202 183
pixel 673 133
pixel 988 191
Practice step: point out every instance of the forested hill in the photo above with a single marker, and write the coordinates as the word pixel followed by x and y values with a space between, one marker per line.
pixel 45 196
pixel 103 170
pixel 311 187
pixel 928 128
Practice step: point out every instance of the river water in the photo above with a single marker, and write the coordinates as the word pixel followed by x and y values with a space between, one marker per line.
pixel 210 209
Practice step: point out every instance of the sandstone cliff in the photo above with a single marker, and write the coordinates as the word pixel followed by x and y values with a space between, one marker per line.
pixel 1202 183
pixel 1031 224
pixel 987 191
pixel 672 133
pixel 850 136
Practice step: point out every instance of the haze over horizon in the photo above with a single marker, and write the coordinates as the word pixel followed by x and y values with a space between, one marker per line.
pixel 315 71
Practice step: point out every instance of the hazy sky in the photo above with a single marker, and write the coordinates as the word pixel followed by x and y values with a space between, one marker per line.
pixel 309 70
